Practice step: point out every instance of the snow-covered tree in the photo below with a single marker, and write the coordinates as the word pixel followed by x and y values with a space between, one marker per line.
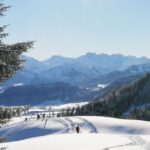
pixel 10 60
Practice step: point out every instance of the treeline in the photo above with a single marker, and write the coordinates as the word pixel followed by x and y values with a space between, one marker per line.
pixel 142 112
pixel 119 102
pixel 67 112
pixel 9 112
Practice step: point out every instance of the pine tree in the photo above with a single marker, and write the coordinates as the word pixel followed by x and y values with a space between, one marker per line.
pixel 10 60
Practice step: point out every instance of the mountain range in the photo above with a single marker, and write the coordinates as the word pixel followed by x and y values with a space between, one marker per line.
pixel 85 73
pixel 77 71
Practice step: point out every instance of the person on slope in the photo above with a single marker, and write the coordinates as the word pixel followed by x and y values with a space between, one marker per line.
pixel 78 129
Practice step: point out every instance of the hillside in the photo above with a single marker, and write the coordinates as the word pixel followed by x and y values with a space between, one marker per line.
pixel 22 94
pixel 59 133
pixel 130 101
pixel 19 94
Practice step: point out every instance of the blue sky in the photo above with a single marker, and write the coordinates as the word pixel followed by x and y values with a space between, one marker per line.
pixel 74 27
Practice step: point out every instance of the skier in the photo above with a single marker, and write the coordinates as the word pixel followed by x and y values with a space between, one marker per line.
pixel 78 129
pixel 38 116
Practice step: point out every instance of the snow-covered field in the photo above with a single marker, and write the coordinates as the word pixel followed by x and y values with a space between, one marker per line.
pixel 96 133
pixel 71 105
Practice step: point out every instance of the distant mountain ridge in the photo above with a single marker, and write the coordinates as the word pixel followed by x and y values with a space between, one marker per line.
pixel 109 63
pixel 76 71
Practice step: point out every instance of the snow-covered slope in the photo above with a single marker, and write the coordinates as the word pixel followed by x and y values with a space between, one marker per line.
pixel 96 133
pixel 69 142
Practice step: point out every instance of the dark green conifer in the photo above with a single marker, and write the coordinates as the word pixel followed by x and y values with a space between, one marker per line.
pixel 10 60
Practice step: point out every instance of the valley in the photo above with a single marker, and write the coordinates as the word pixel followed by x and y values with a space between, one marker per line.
pixel 74 75
pixel 63 93
pixel 70 80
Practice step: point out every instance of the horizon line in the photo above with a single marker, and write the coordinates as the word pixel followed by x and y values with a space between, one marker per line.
pixel 94 53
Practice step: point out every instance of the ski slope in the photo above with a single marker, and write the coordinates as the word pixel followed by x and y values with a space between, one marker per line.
pixel 96 133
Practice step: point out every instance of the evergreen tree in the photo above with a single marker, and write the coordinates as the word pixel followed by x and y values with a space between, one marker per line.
pixel 10 60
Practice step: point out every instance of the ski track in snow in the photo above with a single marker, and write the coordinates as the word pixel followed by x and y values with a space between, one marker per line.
pixel 70 125
pixel 90 126
pixel 16 127
pixel 86 126
pixel 65 124
pixel 135 141
pixel 45 122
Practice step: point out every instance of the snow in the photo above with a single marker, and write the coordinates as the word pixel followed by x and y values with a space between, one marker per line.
pixel 36 110
pixel 1 90
pixel 119 126
pixel 69 142
pixel 71 105
pixel 53 107
pixel 97 87
pixel 31 128
pixel 102 86
pixel 18 84
pixel 96 133
pixel 52 103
